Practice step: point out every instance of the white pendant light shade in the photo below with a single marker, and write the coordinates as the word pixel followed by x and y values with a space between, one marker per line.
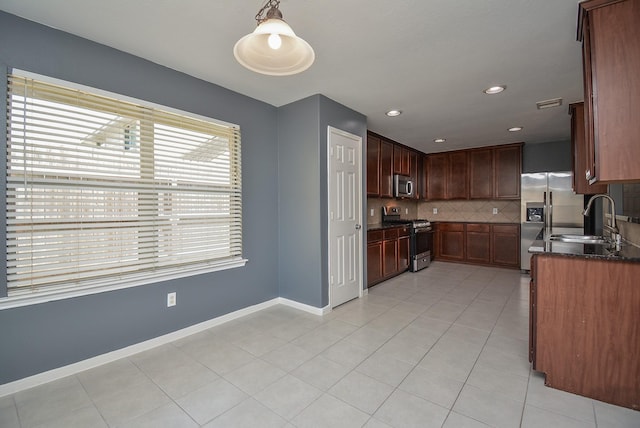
pixel 274 49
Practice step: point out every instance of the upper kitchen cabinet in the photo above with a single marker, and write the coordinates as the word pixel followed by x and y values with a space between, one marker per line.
pixel 481 174
pixel 507 171
pixel 373 166
pixel 436 168
pixel 457 186
pixel 401 160
pixel 446 175
pixel 610 37
pixel 486 173
pixel 379 166
pixel 579 156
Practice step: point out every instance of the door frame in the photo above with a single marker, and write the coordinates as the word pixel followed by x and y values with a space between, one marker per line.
pixel 359 209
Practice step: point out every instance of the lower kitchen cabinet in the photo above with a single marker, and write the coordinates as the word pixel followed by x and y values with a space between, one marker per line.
pixel 505 245
pixel 584 326
pixel 451 241
pixel 387 253
pixel 374 261
pixel 390 253
pixel 479 243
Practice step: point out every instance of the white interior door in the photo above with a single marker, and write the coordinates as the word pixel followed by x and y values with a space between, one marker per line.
pixel 345 214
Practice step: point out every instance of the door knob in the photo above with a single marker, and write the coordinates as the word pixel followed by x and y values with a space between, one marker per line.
pixel 358 227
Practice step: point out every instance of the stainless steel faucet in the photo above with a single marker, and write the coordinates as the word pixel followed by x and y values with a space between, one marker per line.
pixel 612 228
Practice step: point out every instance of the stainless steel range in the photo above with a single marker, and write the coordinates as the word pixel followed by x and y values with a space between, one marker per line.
pixel 421 242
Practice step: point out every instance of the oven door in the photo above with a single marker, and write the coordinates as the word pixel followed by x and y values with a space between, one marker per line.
pixel 421 248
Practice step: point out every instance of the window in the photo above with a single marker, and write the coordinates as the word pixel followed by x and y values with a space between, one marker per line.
pixel 103 191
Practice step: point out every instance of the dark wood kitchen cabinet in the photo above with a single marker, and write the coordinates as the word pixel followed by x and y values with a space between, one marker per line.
pixel 374 257
pixel 373 165
pixel 494 172
pixel 436 168
pixel 451 241
pixel 401 160
pixel 457 185
pixel 389 256
pixel 610 37
pixel 481 174
pixel 478 243
pixel 505 245
pixel 403 249
pixel 387 253
pixel 580 184
pixel 584 326
pixel 379 166
pixel 487 173
pixel 414 173
pixel 507 171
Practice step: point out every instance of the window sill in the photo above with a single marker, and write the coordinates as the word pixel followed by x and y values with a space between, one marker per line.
pixel 32 297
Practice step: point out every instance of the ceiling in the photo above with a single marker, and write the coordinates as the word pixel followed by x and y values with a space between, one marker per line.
pixel 429 58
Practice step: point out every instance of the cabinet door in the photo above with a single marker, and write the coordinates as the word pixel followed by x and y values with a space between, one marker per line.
pixel 373 165
pixel 374 263
pixel 533 308
pixel 423 177
pixel 390 257
pixel 401 162
pixel 403 253
pixel 481 174
pixel 612 38
pixel 579 157
pixel 508 167
pixel 457 186
pixel 414 174
pixel 437 166
pixel 505 245
pixel 451 241
pixel 386 169
pixel 478 238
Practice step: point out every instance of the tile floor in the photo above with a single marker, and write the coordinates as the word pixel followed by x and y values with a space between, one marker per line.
pixel 444 347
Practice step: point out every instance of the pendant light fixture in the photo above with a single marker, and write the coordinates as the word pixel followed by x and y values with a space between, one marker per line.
pixel 273 48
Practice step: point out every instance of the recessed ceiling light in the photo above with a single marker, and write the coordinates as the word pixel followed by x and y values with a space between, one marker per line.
pixel 393 113
pixel 439 140
pixel 516 129
pixel 495 89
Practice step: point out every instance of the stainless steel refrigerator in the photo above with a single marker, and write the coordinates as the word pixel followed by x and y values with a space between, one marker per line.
pixel 547 201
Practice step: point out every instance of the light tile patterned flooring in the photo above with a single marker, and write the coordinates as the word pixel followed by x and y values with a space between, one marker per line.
pixel 444 347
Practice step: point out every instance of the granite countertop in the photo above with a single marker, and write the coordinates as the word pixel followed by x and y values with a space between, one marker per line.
pixel 381 226
pixel 542 244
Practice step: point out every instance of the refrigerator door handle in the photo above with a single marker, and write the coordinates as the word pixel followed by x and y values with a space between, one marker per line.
pixel 544 212
pixel 550 209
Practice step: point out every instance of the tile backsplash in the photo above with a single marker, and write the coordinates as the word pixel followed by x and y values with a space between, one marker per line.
pixel 470 211
pixel 477 211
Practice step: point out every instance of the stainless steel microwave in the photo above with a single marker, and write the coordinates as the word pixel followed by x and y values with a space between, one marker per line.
pixel 402 186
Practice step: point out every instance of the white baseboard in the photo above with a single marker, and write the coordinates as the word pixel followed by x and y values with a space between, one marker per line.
pixel 303 307
pixel 72 369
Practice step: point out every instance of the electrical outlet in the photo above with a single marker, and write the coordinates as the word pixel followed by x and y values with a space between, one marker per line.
pixel 406 210
pixel 372 212
pixel 171 299
pixel 495 211
pixel 435 211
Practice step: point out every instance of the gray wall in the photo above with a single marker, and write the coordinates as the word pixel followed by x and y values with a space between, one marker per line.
pixel 41 337
pixel 302 178
pixel 547 157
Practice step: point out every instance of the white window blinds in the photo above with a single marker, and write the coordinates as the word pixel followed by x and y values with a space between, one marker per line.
pixel 101 190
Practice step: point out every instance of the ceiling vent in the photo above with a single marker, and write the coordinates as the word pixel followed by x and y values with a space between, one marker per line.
pixel 555 102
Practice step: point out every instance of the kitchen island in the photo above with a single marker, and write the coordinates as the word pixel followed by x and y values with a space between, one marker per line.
pixel 585 319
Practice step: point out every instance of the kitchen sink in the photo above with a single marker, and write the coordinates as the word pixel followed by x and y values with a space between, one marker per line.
pixel 581 239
